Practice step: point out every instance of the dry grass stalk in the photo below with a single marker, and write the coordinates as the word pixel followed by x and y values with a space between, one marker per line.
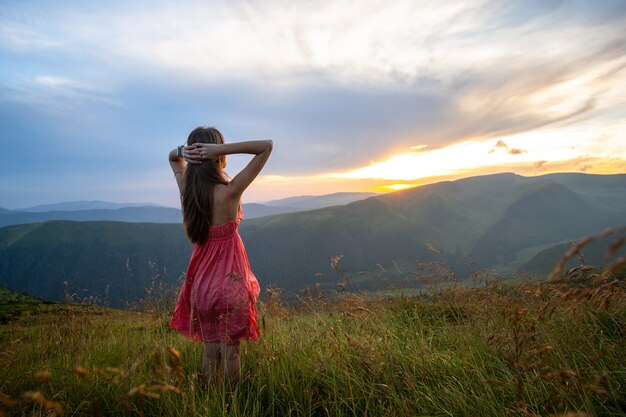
pixel 432 248
pixel 557 272
pixel 614 248
pixel 616 265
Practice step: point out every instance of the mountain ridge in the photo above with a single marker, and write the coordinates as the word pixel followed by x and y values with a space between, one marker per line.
pixel 310 202
pixel 83 205
pixel 151 213
pixel 501 221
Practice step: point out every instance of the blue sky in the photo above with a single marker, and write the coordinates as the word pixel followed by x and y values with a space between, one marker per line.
pixel 357 95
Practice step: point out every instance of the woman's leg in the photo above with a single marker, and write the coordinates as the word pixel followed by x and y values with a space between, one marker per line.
pixel 211 361
pixel 231 363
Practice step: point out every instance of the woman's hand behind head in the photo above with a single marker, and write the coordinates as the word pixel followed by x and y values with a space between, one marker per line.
pixel 198 152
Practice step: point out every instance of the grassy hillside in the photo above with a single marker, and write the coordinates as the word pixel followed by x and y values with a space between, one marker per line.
pixel 593 255
pixel 546 212
pixel 13 304
pixel 491 221
pixel 8 296
pixel 610 190
pixel 533 349
pixel 496 221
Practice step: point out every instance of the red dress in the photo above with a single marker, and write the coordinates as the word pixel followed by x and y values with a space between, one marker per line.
pixel 217 302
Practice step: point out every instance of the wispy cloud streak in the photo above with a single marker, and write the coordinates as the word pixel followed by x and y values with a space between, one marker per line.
pixel 336 84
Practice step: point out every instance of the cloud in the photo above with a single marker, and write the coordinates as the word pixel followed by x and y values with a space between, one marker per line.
pixel 511 151
pixel 56 94
pixel 335 84
pixel 554 145
pixel 17 36
pixel 516 151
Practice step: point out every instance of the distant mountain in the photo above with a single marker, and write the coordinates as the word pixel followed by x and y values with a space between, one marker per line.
pixel 310 202
pixel 503 221
pixel 281 206
pixel 593 254
pixel 254 210
pixel 84 205
pixel 150 214
pixel 607 189
pixel 111 260
pixel 141 214
pixel 496 221
pixel 154 213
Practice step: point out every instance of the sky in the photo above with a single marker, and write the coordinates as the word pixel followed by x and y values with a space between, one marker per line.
pixel 356 95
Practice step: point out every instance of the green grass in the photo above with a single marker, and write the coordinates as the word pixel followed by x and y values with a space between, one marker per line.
pixel 13 304
pixel 505 350
pixel 8 296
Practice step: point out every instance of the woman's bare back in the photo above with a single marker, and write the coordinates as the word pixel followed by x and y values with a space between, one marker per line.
pixel 220 213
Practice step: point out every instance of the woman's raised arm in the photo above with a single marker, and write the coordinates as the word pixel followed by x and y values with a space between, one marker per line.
pixel 261 150
pixel 178 165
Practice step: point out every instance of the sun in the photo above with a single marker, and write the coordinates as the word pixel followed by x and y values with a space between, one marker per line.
pixel 397 187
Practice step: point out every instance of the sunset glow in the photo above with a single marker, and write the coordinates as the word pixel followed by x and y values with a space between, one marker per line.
pixel 584 149
pixel 357 96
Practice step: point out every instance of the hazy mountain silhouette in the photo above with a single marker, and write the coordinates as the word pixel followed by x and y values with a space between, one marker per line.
pixel 490 221
pixel 310 202
pixel 84 205
pixel 153 213
pixel 501 221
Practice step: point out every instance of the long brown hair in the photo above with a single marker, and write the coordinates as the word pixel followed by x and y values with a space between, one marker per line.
pixel 197 198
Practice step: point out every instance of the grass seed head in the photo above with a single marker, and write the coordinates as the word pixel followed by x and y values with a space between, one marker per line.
pixel 596 389
pixel 37 397
pixel 7 401
pixel 43 376
pixel 81 371
pixel 141 392
pixel 174 352
pixel 164 388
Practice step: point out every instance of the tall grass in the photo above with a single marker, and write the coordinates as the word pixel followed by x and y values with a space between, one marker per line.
pixel 525 349
pixel 502 350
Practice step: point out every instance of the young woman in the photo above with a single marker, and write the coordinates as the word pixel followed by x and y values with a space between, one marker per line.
pixel 216 304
